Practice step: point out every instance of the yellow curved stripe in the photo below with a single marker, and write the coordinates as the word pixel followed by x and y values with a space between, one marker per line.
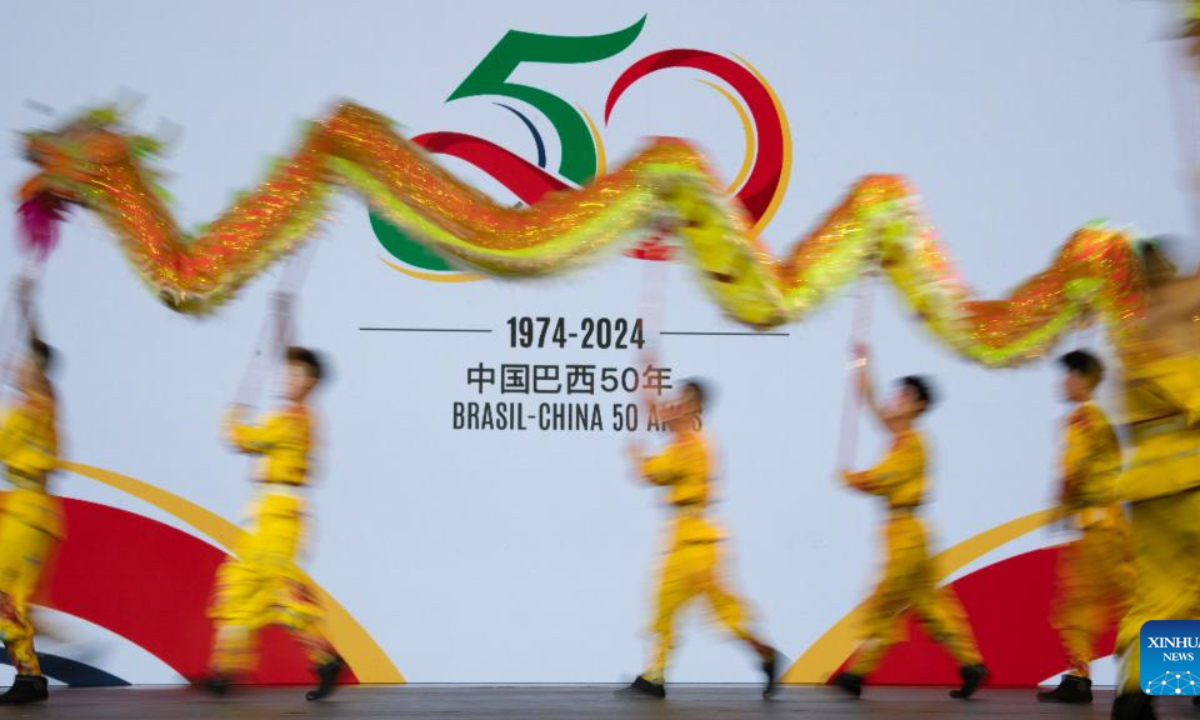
pixel 747 129
pixel 601 157
pixel 451 277
pixel 785 173
pixel 827 654
pixel 369 662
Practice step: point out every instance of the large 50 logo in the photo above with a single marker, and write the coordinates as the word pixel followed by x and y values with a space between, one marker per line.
pixel 760 182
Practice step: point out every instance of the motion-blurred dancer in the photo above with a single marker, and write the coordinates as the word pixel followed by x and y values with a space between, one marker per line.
pixel 908 579
pixel 1095 574
pixel 30 517
pixel 262 584
pixel 692 566
pixel 1161 481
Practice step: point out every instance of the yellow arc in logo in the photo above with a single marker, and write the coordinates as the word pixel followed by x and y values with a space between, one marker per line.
pixel 369 662
pixel 438 277
pixel 824 656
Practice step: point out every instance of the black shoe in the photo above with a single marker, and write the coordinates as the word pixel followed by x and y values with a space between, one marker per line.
pixel 972 677
pixel 1072 689
pixel 26 689
pixel 1133 706
pixel 217 685
pixel 641 687
pixel 849 682
pixel 327 675
pixel 770 667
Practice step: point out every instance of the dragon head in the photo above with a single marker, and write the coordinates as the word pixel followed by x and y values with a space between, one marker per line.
pixel 72 157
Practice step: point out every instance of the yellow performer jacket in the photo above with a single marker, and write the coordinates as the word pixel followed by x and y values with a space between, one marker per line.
pixel 685 467
pixel 284 439
pixel 900 477
pixel 1163 405
pixel 29 451
pixel 1091 465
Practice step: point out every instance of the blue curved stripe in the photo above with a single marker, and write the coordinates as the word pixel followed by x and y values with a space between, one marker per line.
pixel 537 137
pixel 71 672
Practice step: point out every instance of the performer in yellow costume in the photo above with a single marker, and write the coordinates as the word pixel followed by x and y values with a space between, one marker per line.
pixel 1095 575
pixel 262 584
pixel 1161 481
pixel 908 579
pixel 30 518
pixel 692 566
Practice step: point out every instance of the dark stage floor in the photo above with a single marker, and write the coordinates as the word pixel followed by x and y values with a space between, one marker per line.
pixel 695 702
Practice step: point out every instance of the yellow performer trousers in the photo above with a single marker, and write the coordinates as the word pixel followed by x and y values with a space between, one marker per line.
pixel 1096 580
pixel 909 581
pixel 691 569
pixel 263 586
pixel 30 523
pixel 1166 544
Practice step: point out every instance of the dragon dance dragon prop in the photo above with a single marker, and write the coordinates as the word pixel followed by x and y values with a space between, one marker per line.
pixel 94 163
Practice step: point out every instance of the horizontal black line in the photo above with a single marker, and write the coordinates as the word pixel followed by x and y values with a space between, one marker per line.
pixel 731 333
pixel 421 330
